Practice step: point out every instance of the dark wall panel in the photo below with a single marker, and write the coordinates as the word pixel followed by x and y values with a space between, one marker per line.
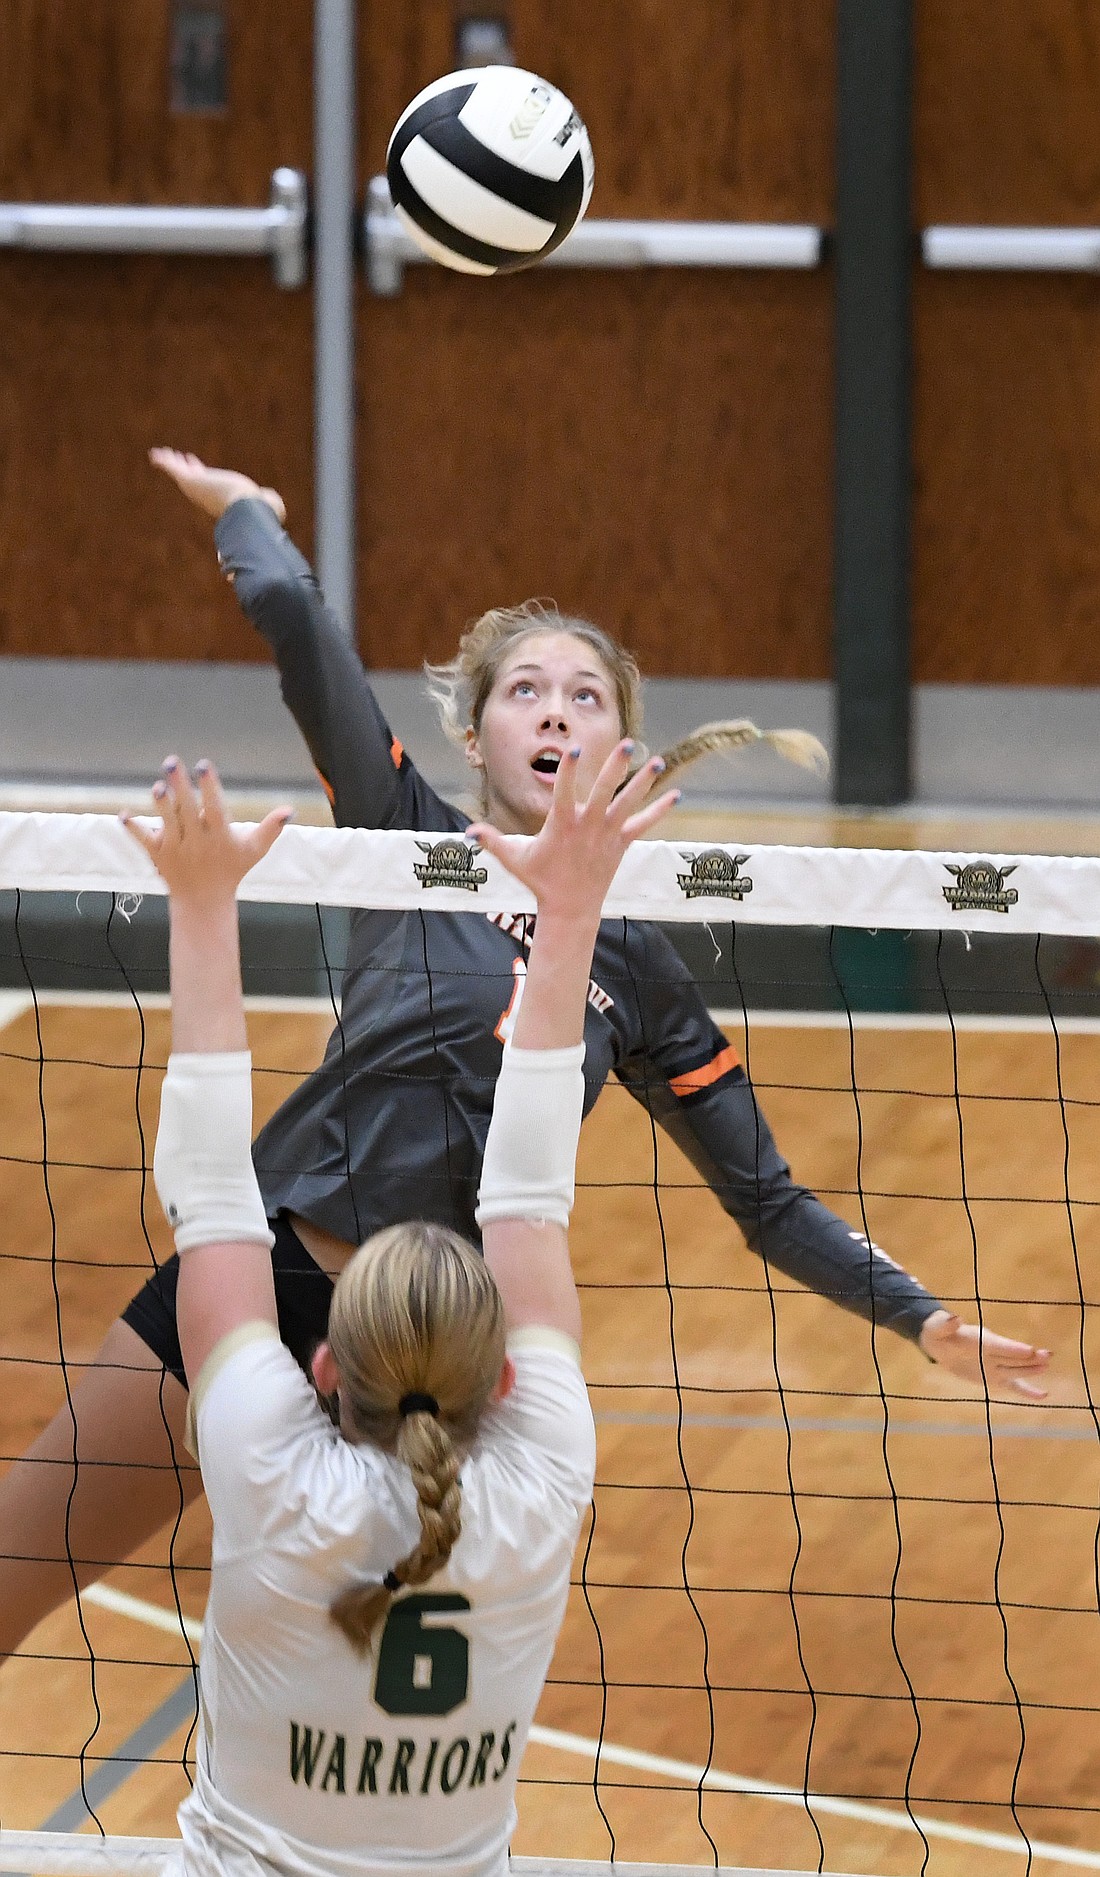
pixel 1007 388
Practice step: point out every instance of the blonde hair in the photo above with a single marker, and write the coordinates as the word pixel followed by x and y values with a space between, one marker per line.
pixel 415 1312
pixel 460 689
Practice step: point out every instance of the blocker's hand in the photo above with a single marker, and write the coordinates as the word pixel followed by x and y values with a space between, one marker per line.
pixel 196 850
pixel 571 862
pixel 212 490
pixel 1010 1367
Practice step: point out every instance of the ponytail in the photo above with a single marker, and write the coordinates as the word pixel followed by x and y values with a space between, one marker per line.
pixel 416 1329
pixel 721 739
pixel 429 1452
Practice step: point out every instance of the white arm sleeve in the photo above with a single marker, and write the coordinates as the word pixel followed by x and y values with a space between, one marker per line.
pixel 531 1153
pixel 202 1165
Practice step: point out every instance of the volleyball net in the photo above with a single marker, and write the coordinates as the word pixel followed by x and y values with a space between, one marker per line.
pixel 834 1609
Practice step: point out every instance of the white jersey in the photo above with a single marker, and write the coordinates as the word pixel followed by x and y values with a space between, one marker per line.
pixel 316 1761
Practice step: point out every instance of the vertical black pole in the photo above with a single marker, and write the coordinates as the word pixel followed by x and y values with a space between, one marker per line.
pixel 872 263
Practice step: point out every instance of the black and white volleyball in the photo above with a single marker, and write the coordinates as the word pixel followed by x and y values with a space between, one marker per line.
pixel 490 169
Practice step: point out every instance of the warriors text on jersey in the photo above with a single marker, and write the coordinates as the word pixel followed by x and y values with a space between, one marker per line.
pixel 315 1761
pixel 393 1123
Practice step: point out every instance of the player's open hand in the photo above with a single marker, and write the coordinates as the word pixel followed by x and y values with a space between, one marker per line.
pixel 212 490
pixel 570 864
pixel 1011 1368
pixel 196 850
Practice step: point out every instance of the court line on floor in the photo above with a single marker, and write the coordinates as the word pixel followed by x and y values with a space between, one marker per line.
pixel 105 1779
pixel 819 1802
pixel 169 1716
pixel 152 1614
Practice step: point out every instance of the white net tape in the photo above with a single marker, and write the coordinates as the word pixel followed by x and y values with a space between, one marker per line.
pixel 67 1854
pixel 669 881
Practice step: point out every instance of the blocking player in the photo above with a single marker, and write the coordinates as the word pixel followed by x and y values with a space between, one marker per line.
pixel 346 1723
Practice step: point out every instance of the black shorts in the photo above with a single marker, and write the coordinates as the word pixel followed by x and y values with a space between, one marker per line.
pixel 302 1296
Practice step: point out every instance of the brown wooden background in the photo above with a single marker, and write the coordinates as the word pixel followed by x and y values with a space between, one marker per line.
pixel 654 449
pixel 1007 383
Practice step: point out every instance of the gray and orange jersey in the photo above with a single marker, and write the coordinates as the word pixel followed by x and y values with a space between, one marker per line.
pixel 392 1124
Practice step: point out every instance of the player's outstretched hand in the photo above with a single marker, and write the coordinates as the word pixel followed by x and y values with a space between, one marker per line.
pixel 1010 1367
pixel 570 864
pixel 212 490
pixel 195 849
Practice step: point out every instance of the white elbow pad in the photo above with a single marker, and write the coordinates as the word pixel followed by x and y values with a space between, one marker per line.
pixel 202 1165
pixel 531 1153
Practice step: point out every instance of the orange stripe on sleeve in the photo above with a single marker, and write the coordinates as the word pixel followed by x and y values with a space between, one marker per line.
pixel 397 750
pixel 712 1071
pixel 328 788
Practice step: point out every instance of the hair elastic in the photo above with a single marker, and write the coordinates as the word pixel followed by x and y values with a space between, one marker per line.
pixel 417 1404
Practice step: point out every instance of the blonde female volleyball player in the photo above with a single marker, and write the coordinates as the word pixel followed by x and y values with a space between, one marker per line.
pixel 346 1726
pixel 395 1118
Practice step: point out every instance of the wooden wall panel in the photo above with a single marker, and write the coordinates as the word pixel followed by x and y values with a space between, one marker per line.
pixel 86 115
pixel 1007 383
pixel 651 449
pixel 1005 107
pixel 720 110
pixel 99 359
pixel 1007 498
pixel 654 449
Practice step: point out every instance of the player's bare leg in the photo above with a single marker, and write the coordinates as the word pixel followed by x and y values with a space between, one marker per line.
pixel 130 1424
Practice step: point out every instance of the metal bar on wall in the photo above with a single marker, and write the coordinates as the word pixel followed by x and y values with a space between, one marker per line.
pixel 389 249
pixel 278 231
pixel 871 527
pixel 334 220
pixel 1015 250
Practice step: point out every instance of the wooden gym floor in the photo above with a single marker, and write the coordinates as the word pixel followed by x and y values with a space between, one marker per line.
pixel 788 1593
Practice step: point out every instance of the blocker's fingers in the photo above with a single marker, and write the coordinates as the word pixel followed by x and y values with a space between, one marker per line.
pixel 181 792
pixel 490 838
pixel 564 797
pixel 648 817
pixel 268 831
pixel 148 838
pixel 502 847
pixel 634 793
pixel 210 793
pixel 609 781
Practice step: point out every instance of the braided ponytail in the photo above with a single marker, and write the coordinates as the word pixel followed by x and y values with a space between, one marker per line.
pixel 416 1329
pixel 721 739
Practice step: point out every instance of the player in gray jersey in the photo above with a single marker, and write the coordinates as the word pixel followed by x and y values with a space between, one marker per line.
pixel 394 1119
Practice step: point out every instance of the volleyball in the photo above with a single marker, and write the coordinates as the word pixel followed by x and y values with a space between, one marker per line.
pixel 490 169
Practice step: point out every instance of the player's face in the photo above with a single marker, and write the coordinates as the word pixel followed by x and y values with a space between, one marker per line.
pixel 552 693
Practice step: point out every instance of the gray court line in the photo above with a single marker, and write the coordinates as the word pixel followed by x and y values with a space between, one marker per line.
pixel 178 1711
pixel 845 1424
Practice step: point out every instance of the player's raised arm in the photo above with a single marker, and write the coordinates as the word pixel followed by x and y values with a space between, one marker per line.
pixel 203 1161
pixel 530 1156
pixel 365 773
